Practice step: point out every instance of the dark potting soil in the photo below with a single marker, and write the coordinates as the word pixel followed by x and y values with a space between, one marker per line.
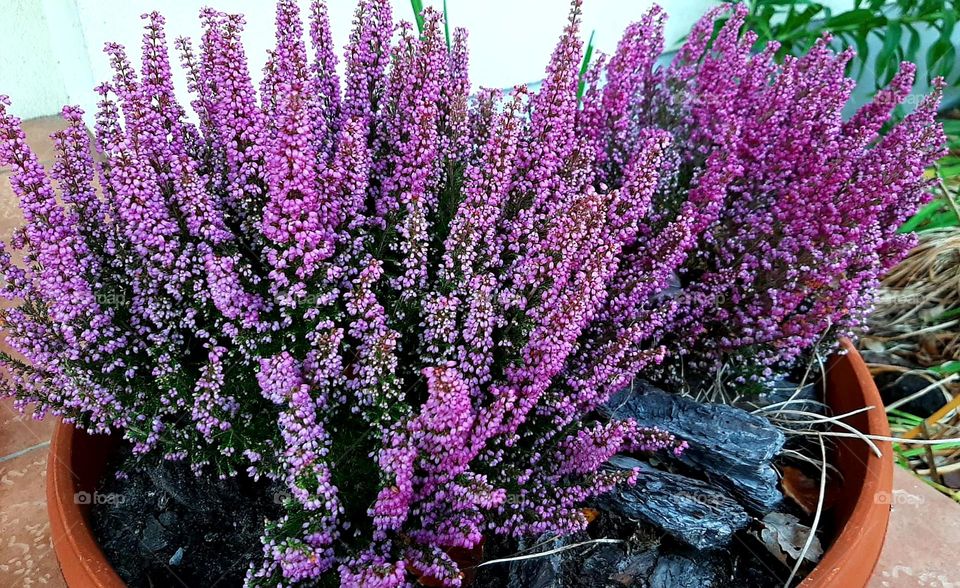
pixel 161 525
pixel 646 558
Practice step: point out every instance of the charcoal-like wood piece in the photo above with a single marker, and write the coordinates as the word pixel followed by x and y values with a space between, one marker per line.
pixel 539 572
pixel 602 563
pixel 695 512
pixel 689 569
pixel 728 444
pixel 616 566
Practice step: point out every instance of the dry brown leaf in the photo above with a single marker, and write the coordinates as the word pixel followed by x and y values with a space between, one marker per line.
pixel 800 488
pixel 590 514
pixel 786 538
pixel 875 345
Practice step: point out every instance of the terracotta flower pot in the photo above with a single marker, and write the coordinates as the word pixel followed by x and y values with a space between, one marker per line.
pixel 858 516
pixel 76 463
pixel 862 508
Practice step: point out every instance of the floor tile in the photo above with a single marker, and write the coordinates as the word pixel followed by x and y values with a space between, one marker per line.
pixel 26 554
pixel 10 215
pixel 38 131
pixel 19 432
pixel 922 540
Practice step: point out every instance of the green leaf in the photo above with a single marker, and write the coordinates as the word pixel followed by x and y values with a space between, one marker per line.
pixel 446 24
pixel 913 44
pixel 851 17
pixel 936 53
pixel 948 61
pixel 904 416
pixel 886 61
pixel 587 56
pixel 943 220
pixel 790 3
pixel 947 49
pixel 946 369
pixel 921 451
pixel 948 24
pixel 946 316
pixel 863 49
pixel 950 168
pixel 803 18
pixel 901 461
pixel 417 6
pixel 923 216
pixel 761 26
pixel 951 127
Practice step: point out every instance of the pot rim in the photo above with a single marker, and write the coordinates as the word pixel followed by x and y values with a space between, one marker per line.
pixel 81 561
pixel 852 557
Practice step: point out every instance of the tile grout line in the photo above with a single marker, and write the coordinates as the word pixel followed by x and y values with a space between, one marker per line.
pixel 23 451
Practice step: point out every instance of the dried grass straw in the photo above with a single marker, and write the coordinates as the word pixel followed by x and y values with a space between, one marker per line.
pixel 915 327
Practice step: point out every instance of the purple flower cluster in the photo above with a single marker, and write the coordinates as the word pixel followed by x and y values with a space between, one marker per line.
pixel 403 302
pixel 806 205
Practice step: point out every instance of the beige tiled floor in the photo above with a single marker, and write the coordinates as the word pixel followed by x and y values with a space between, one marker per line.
pixel 26 555
pixel 922 539
pixel 920 548
pixel 38 132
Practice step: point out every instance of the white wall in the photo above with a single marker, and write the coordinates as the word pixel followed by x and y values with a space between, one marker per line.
pixel 29 72
pixel 510 40
pixel 51 50
pixel 69 46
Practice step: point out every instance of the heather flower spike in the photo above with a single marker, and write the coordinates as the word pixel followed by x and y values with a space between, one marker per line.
pixel 402 299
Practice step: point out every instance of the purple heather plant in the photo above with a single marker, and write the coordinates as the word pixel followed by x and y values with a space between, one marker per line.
pixel 805 205
pixel 404 302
